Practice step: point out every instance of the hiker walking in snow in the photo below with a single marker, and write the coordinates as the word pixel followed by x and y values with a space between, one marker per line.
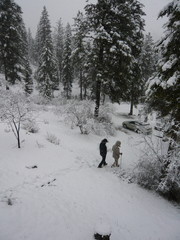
pixel 116 153
pixel 103 152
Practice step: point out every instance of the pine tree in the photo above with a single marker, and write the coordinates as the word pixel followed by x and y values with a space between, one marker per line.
pixel 115 25
pixel 147 61
pixel 46 74
pixel 67 76
pixel 31 47
pixel 58 46
pixel 25 63
pixel 135 43
pixel 12 47
pixel 164 88
pixel 148 57
pixel 79 51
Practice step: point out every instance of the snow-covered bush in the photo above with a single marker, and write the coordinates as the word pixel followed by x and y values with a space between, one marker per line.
pixel 40 100
pixel 169 185
pixel 158 172
pixel 80 114
pixel 103 128
pixel 104 113
pixel 30 126
pixel 52 139
pixel 148 172
pixel 103 125
pixel 14 110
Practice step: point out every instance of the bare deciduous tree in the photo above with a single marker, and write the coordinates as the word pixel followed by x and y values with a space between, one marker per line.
pixel 15 109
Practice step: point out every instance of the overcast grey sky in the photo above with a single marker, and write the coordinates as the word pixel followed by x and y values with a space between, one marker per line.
pixel 67 9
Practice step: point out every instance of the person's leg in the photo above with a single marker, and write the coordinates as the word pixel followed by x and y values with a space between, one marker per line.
pixel 116 162
pixel 104 161
pixel 101 163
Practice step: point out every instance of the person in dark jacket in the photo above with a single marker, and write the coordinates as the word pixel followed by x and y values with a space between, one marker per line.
pixel 103 152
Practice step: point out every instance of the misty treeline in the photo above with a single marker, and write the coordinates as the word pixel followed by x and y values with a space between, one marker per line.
pixel 106 52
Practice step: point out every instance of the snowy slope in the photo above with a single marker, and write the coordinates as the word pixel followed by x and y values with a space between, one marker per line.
pixel 67 196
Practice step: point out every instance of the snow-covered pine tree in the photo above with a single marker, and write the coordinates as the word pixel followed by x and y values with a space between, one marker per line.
pixel 25 64
pixel 31 47
pixel 135 43
pixel 147 60
pixel 12 48
pixel 47 74
pixel 79 55
pixel 163 96
pixel 58 38
pixel 67 74
pixel 164 87
pixel 113 31
pixel 37 45
pixel 148 57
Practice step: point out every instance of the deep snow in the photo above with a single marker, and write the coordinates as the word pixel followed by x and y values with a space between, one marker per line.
pixel 67 197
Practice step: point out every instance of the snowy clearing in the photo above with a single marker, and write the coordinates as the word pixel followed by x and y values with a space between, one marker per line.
pixel 54 192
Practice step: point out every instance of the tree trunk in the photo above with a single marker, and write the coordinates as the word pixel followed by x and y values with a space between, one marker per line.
pixel 6 77
pixel 85 91
pixel 18 139
pixel 98 96
pixel 81 85
pixel 131 102
pixel 131 107
pixel 98 81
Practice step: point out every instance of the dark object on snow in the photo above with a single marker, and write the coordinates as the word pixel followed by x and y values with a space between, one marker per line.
pixel 102 237
pixel 103 152
pixel 48 183
pixel 31 167
pixel 9 202
pixel 34 166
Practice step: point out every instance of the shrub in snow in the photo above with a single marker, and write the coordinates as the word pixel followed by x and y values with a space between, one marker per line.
pixel 104 113
pixel 30 126
pixel 52 139
pixel 169 185
pixel 148 172
pixel 80 114
pixel 160 172
pixel 15 109
pixel 103 128
pixel 103 125
pixel 40 100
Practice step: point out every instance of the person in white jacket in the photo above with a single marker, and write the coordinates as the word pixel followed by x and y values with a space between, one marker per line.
pixel 116 153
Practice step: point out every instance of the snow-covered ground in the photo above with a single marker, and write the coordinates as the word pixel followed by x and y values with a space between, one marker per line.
pixel 65 196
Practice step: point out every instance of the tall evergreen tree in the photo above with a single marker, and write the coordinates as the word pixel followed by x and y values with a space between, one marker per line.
pixel 135 43
pixel 147 61
pixel 79 51
pixel 25 63
pixel 164 88
pixel 59 46
pixel 31 47
pixel 12 44
pixel 148 57
pixel 115 24
pixel 46 74
pixel 67 75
